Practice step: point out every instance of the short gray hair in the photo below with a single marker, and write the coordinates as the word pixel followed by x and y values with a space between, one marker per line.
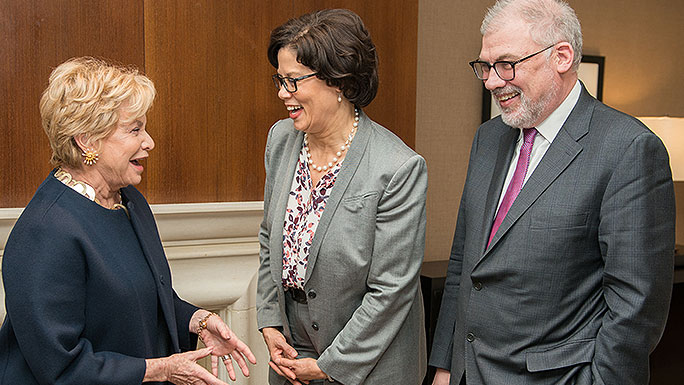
pixel 550 22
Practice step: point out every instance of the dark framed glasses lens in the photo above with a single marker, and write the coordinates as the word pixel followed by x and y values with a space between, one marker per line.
pixel 481 69
pixel 505 70
pixel 289 83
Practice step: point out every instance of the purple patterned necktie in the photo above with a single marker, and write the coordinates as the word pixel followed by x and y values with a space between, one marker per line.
pixel 516 183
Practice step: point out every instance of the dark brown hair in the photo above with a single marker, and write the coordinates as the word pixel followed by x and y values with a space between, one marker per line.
pixel 335 44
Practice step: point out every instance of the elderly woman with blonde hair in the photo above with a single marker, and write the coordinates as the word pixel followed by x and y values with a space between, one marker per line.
pixel 88 287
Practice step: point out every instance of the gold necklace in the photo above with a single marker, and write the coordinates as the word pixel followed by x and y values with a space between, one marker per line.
pixel 85 189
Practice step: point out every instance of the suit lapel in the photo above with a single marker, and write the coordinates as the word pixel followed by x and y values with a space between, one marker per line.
pixel 349 167
pixel 146 230
pixel 561 153
pixel 503 158
pixel 281 189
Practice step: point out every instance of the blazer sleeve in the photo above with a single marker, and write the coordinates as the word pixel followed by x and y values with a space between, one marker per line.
pixel 443 339
pixel 46 306
pixel 184 312
pixel 392 281
pixel 636 236
pixel 268 310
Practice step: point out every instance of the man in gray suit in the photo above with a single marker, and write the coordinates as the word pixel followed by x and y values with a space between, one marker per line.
pixel 562 260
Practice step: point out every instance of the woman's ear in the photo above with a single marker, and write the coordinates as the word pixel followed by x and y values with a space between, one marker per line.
pixel 83 142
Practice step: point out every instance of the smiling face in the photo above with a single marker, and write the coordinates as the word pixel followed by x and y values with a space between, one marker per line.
pixel 122 151
pixel 314 105
pixel 534 93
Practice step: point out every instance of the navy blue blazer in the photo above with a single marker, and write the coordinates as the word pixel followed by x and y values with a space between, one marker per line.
pixel 80 292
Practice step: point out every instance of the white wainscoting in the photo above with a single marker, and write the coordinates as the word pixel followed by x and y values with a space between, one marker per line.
pixel 213 252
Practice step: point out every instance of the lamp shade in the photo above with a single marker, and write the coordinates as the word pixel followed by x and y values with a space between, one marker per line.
pixel 671 131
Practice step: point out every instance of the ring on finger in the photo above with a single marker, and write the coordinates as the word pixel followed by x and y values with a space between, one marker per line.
pixel 225 358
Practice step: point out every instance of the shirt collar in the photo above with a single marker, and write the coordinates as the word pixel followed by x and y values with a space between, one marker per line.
pixel 550 127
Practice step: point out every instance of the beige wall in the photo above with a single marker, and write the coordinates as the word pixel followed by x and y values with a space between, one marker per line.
pixel 644 54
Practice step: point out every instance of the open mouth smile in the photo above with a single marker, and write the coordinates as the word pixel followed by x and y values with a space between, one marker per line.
pixel 137 163
pixel 294 111
pixel 506 98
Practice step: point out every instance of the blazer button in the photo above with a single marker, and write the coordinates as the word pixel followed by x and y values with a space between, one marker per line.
pixel 470 337
pixel 314 326
pixel 161 279
pixel 312 294
pixel 477 286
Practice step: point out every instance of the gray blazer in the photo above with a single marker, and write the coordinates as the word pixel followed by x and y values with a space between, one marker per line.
pixel 576 284
pixel 364 262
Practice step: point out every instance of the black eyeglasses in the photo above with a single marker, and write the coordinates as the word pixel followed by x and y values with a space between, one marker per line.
pixel 289 83
pixel 504 69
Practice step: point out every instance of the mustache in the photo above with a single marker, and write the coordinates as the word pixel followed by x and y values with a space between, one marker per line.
pixel 506 90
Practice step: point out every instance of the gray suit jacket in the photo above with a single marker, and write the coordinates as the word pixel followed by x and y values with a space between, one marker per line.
pixel 576 284
pixel 364 262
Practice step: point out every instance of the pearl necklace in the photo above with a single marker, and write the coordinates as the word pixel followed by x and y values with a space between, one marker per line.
pixel 338 154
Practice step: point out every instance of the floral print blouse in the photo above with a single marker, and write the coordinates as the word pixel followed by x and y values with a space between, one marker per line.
pixel 304 209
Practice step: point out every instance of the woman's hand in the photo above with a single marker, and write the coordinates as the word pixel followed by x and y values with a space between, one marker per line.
pixel 180 369
pixel 224 344
pixel 278 348
pixel 306 369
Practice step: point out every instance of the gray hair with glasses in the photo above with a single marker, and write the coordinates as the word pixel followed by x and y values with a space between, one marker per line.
pixel 550 22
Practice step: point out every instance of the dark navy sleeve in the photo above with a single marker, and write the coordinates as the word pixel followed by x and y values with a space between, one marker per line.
pixel 45 274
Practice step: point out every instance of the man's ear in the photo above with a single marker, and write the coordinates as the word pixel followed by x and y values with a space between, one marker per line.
pixel 564 55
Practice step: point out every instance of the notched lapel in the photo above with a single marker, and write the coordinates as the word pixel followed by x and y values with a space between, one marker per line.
pixel 564 149
pixel 349 166
pixel 558 157
pixel 503 157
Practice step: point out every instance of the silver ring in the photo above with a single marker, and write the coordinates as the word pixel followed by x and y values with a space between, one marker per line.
pixel 225 358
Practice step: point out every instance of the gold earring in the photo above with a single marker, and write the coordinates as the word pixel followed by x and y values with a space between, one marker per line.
pixel 339 98
pixel 90 157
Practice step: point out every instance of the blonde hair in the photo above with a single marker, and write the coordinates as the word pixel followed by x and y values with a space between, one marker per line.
pixel 85 96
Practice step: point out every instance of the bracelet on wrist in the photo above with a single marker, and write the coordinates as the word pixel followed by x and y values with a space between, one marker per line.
pixel 202 324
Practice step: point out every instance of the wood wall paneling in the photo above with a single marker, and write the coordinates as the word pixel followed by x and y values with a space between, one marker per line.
pixel 35 37
pixel 215 99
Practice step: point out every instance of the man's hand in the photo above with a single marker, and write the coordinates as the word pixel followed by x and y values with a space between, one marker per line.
pixel 442 377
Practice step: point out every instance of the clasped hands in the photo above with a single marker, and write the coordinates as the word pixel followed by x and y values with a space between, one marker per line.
pixel 284 361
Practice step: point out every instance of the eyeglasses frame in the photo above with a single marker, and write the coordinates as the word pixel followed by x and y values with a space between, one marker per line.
pixel 511 63
pixel 279 81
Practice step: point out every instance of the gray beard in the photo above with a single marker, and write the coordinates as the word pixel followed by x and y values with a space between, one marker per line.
pixel 528 113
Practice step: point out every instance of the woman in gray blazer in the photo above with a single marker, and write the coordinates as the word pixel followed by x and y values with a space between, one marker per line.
pixel 343 233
